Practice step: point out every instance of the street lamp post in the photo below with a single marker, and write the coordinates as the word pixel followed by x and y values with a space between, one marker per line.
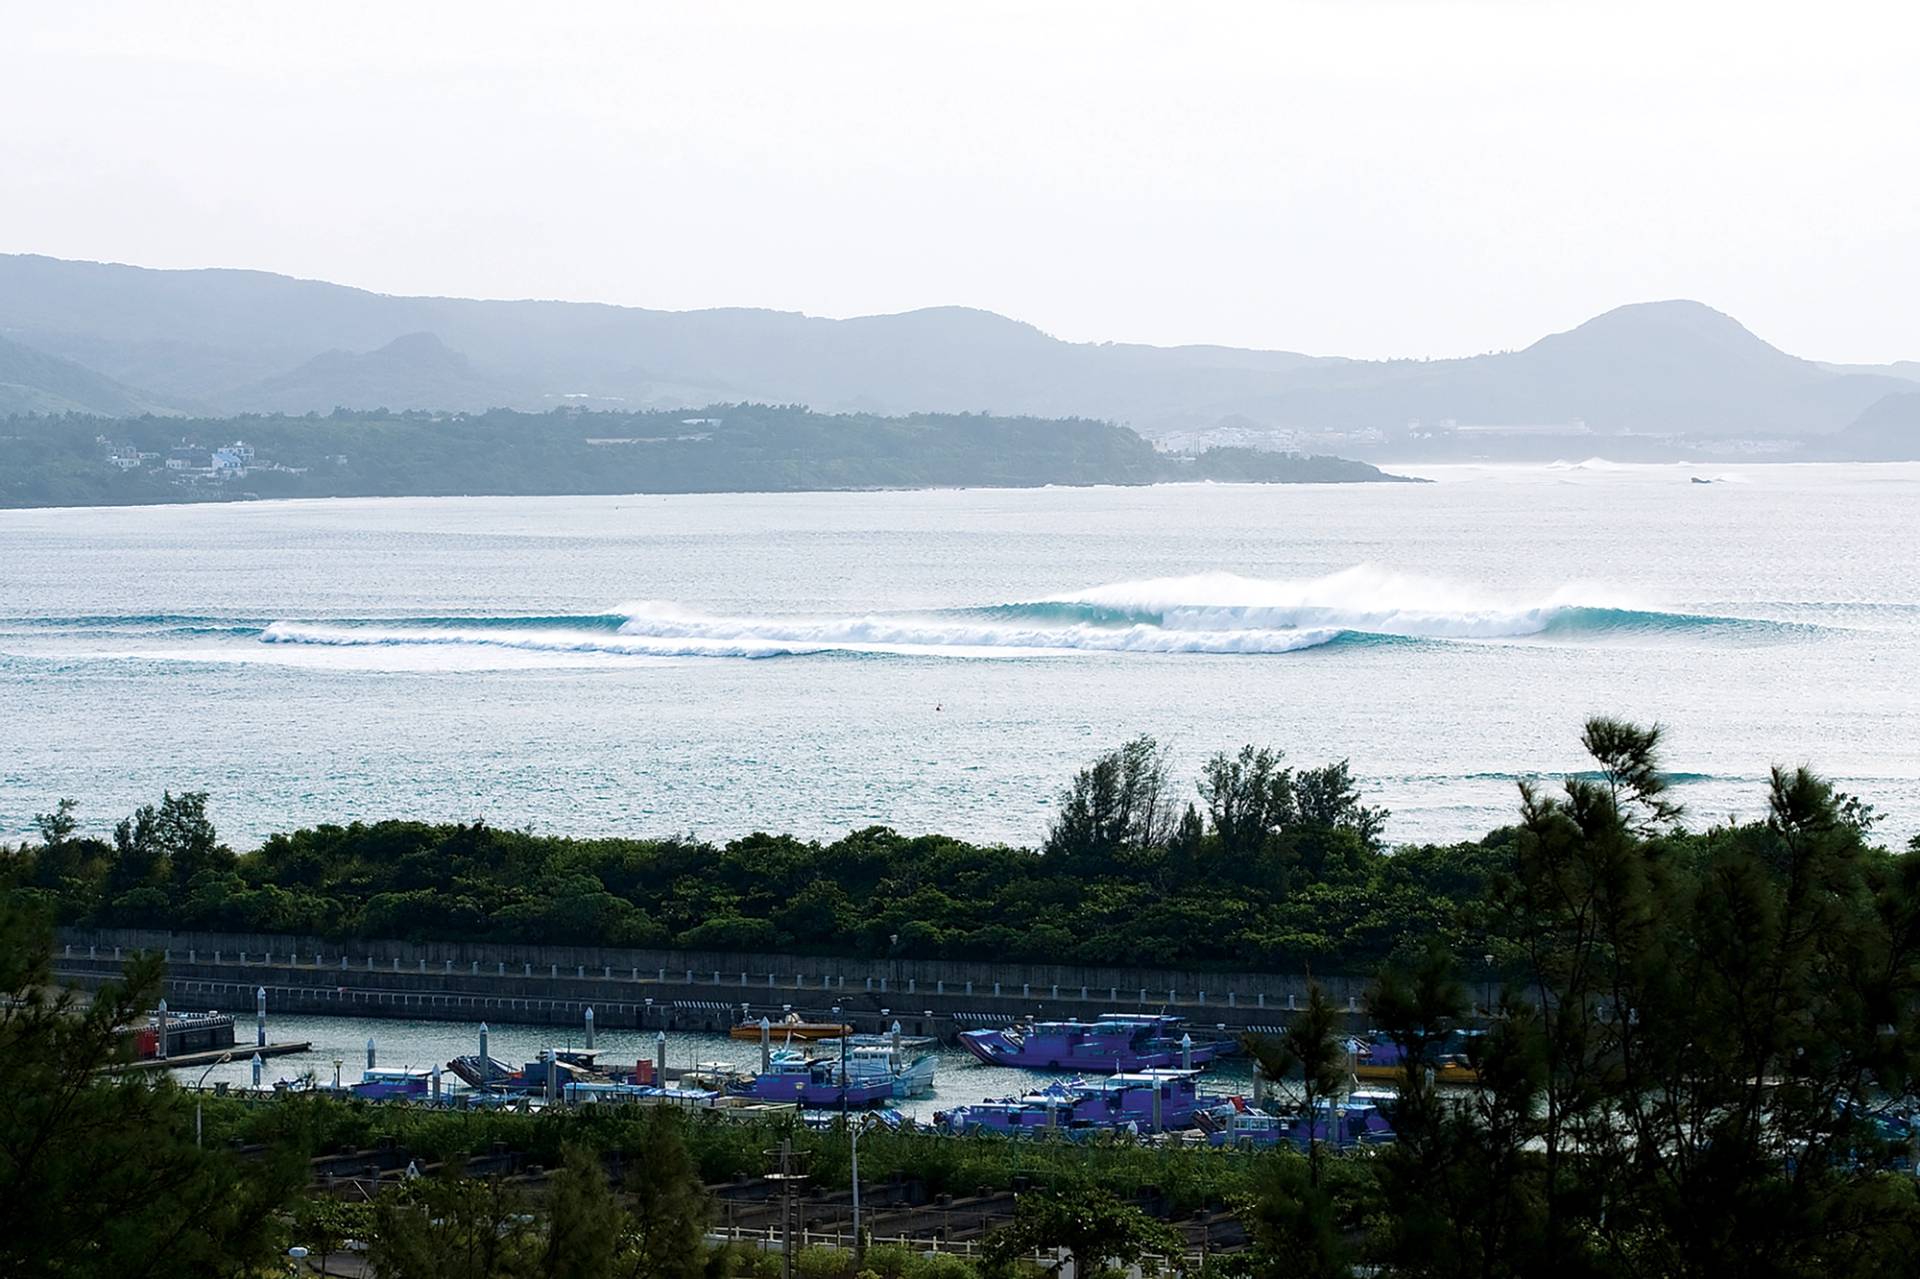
pixel 859 1249
pixel 221 1060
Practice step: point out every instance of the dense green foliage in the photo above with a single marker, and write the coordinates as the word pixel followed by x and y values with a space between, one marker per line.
pixel 1311 1049
pixel 1705 1059
pixel 719 1150
pixel 62 461
pixel 1703 1063
pixel 1265 867
pixel 101 1175
pixel 1094 1228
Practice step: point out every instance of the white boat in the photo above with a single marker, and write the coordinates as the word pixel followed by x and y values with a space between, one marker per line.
pixel 870 1063
pixel 911 1077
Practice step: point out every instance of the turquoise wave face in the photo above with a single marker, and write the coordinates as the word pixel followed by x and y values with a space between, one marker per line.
pixel 1577 621
pixel 1015 629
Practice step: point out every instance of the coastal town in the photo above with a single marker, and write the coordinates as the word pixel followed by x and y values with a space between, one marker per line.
pixel 191 463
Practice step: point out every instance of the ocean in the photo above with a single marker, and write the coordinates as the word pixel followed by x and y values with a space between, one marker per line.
pixel 944 660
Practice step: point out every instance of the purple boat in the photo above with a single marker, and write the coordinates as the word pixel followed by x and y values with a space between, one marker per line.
pixel 385 1085
pixel 1114 1044
pixel 1076 1107
pixel 792 1077
pixel 1345 1123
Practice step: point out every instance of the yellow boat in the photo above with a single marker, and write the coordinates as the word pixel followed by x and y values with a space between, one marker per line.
pixel 1447 1072
pixel 792 1026
pixel 1374 1059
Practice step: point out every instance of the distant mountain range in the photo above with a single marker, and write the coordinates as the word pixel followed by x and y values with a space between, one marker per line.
pixel 116 340
pixel 32 381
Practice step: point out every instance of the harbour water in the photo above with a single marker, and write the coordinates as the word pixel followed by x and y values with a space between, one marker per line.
pixel 961 1079
pixel 944 660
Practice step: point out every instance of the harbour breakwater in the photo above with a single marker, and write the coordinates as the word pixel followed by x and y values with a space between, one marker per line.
pixel 671 990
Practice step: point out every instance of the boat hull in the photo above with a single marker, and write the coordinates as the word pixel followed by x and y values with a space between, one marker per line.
pixel 1120 1103
pixel 815 1095
pixel 415 1087
pixel 782 1031
pixel 997 1048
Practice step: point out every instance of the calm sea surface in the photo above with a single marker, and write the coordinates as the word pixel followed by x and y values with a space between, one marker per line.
pixel 944 660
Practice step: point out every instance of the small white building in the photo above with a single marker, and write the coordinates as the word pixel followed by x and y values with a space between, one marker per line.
pixel 232 459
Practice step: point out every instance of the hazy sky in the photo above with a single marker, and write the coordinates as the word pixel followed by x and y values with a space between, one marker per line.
pixel 1370 177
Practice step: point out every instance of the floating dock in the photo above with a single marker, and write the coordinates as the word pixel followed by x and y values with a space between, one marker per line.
pixel 212 1057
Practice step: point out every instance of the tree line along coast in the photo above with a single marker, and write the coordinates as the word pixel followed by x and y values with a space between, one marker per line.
pixel 1701 1062
pixel 78 460
pixel 1258 866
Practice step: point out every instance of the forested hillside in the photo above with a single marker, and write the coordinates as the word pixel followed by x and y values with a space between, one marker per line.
pixel 76 461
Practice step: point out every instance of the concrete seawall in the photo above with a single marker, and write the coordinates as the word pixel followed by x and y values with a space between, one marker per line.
pixel 669 989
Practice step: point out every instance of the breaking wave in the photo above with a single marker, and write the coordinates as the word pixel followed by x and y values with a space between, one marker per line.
pixel 654 631
pixel 1373 601
pixel 1218 613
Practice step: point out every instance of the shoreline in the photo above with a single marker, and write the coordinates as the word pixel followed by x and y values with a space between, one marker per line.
pixel 856 490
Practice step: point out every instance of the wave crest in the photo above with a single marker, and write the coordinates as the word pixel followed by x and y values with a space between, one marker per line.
pixel 1221 613
pixel 1364 599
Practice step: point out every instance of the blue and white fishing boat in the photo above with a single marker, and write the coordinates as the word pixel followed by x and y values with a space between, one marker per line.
pixel 1339 1124
pixel 813 1082
pixel 1115 1044
pixel 875 1058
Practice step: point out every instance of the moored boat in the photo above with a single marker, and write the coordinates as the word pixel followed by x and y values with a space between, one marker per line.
pixel 1378 1059
pixel 792 1026
pixel 1142 1101
pixel 1341 1124
pixel 384 1084
pixel 817 1082
pixel 492 1073
pixel 1114 1044
pixel 591 1092
pixel 872 1059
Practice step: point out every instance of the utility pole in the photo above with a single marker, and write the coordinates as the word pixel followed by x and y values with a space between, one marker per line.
pixel 221 1060
pixel 786 1210
pixel 787 1178
pixel 859 1240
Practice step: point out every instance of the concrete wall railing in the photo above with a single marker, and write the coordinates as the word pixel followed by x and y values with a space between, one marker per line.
pixel 728 977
